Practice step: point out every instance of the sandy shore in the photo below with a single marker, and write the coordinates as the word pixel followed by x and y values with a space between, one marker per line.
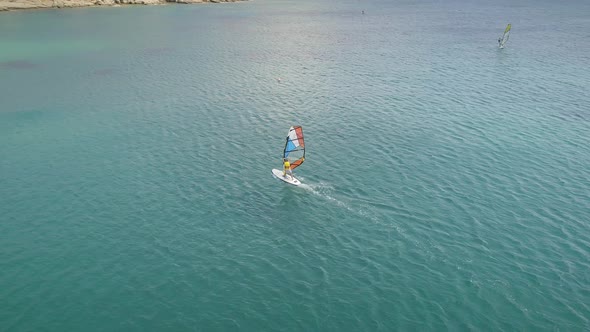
pixel 7 5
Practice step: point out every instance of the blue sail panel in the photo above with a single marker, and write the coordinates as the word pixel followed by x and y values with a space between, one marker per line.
pixel 290 147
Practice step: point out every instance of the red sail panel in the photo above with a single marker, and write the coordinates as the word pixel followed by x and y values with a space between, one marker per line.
pixel 296 163
pixel 299 132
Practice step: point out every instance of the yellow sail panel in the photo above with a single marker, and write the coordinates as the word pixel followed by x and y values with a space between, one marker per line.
pixel 508 28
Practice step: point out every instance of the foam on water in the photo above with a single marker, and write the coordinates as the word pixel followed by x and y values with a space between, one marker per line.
pixel 323 190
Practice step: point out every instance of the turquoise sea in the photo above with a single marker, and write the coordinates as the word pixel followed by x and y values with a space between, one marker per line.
pixel 446 184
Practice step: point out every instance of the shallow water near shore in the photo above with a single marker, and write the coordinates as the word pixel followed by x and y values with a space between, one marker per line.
pixel 446 184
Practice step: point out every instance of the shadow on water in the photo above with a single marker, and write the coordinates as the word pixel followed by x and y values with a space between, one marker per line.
pixel 104 72
pixel 157 50
pixel 566 115
pixel 18 64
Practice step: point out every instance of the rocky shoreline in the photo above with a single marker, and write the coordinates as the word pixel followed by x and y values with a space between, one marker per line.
pixel 7 5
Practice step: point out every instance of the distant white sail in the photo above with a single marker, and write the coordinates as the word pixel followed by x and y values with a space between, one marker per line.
pixel 502 40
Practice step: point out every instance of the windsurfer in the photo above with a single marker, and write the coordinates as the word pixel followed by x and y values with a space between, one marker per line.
pixel 287 167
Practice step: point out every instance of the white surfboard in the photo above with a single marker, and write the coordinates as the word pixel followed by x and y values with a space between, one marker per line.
pixel 289 179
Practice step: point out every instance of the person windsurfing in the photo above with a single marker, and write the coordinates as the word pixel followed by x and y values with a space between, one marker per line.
pixel 500 41
pixel 287 167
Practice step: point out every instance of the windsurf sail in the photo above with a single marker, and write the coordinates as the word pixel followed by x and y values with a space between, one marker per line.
pixel 505 36
pixel 295 147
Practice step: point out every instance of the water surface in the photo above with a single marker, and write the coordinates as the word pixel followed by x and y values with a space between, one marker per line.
pixel 446 184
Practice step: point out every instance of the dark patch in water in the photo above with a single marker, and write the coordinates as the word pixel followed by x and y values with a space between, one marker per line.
pixel 157 50
pixel 577 115
pixel 18 64
pixel 572 116
pixel 104 72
